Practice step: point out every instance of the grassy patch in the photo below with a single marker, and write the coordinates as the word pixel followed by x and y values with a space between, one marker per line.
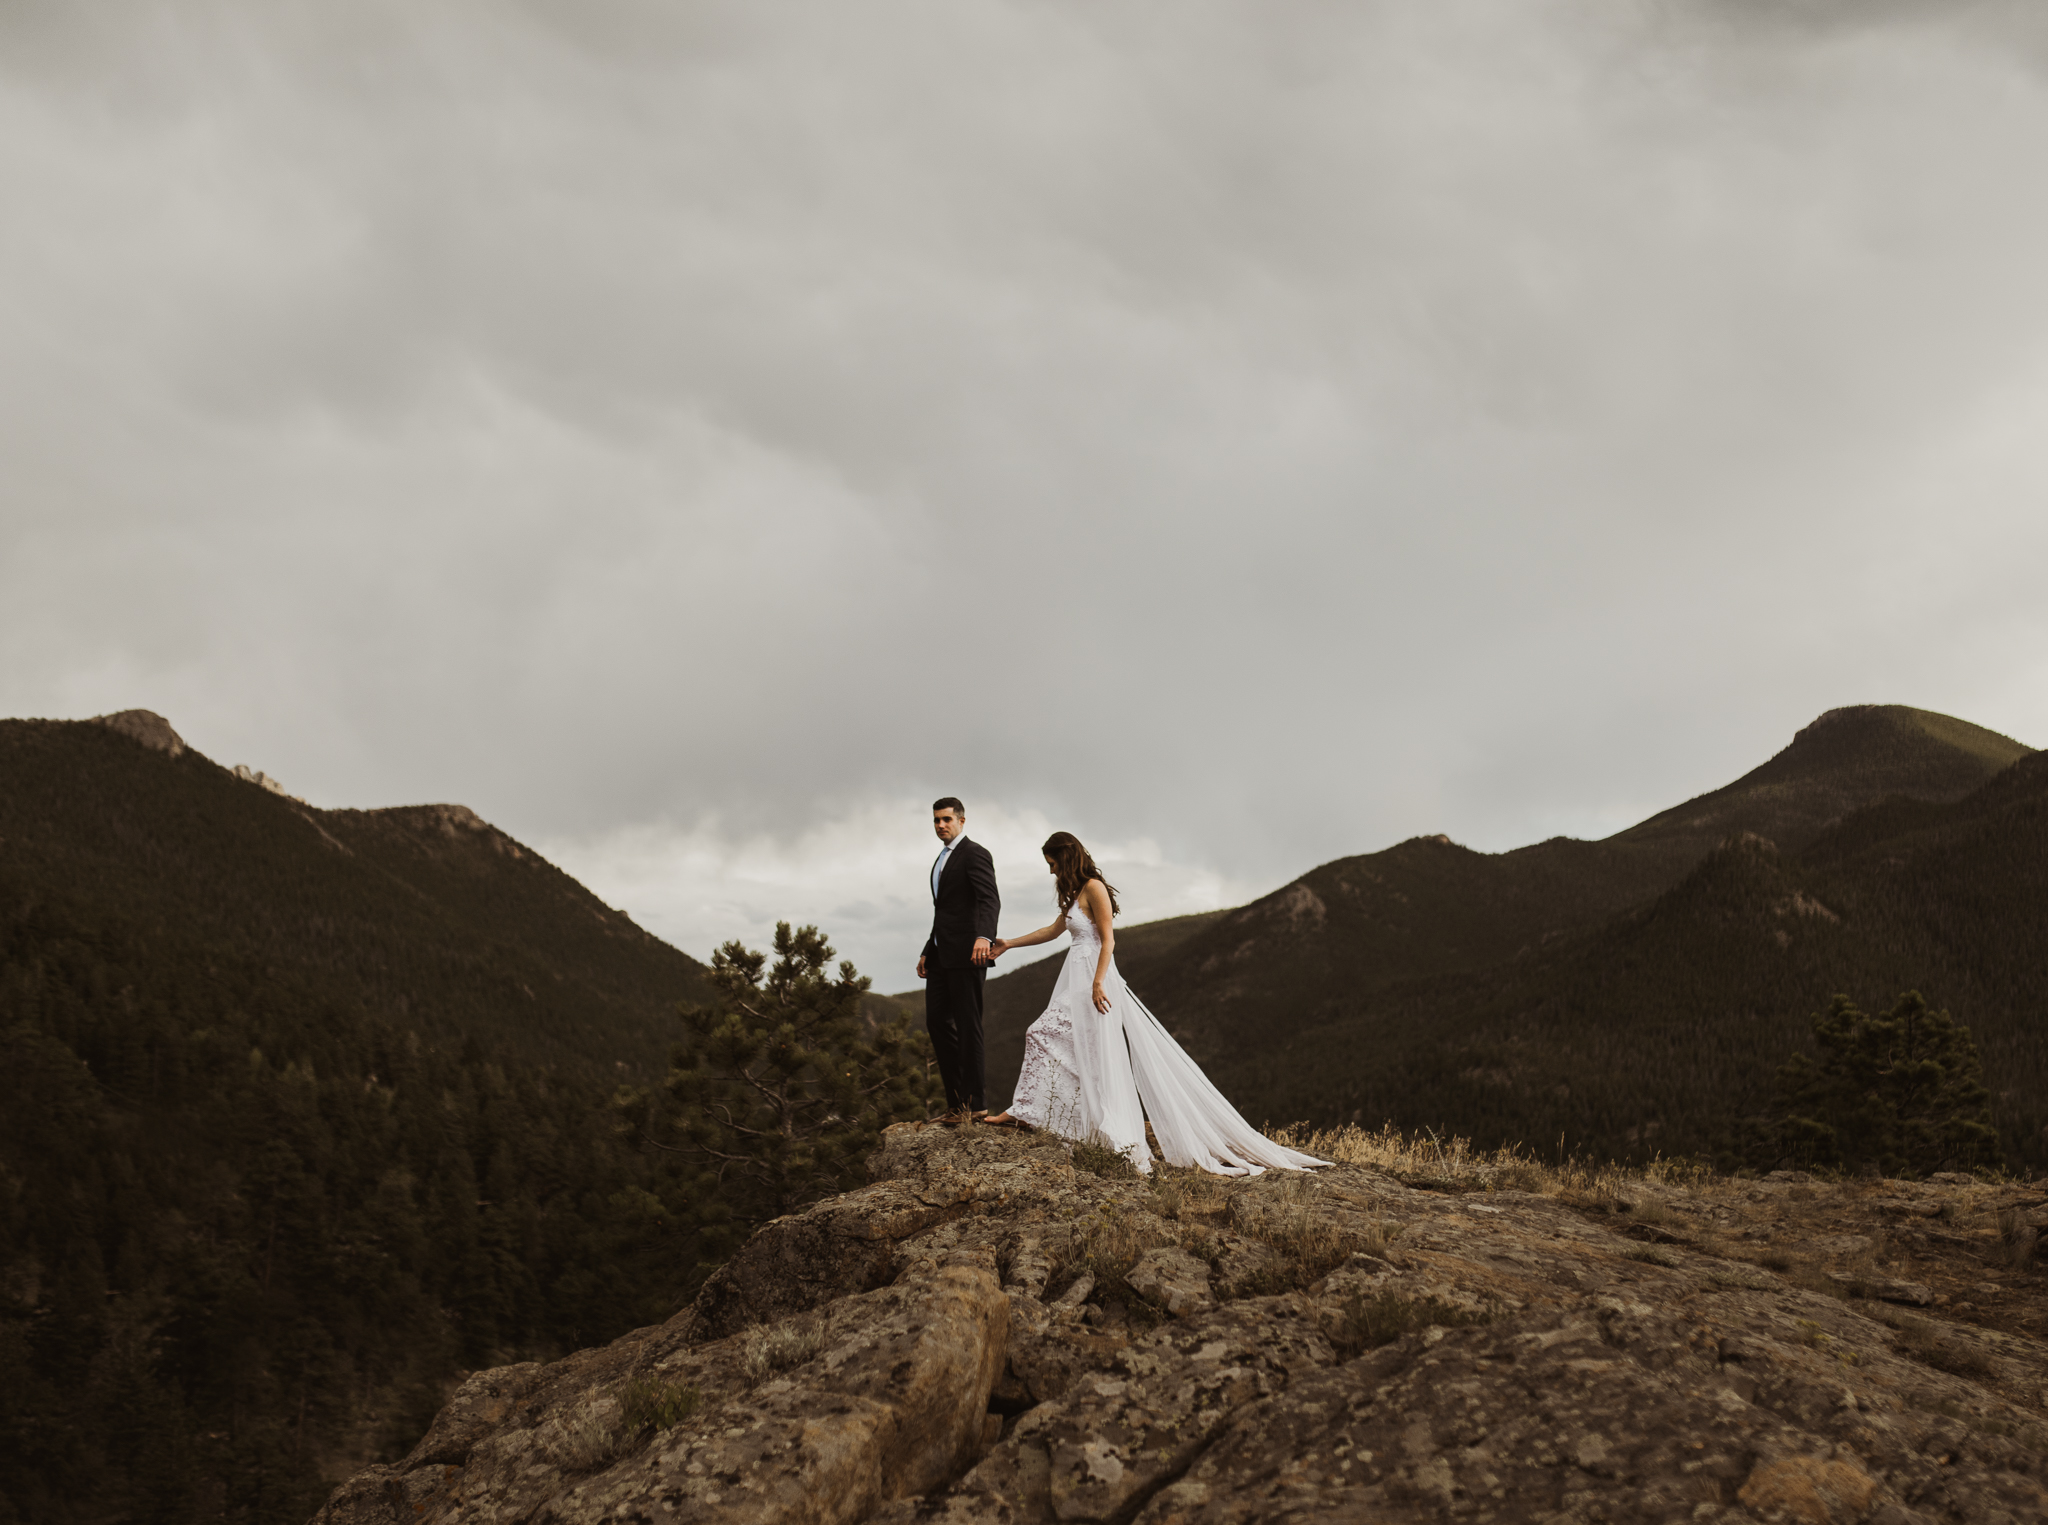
pixel 1921 1341
pixel 1366 1323
pixel 1808 1276
pixel 1306 1247
pixel 1101 1160
pixel 649 1403
pixel 1106 1245
pixel 584 1437
pixel 767 1349
pixel 1424 1159
pixel 1651 1255
pixel 1187 1195
pixel 1433 1162
pixel 1722 1280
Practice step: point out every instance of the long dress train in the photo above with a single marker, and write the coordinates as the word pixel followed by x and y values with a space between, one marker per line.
pixel 1095 1075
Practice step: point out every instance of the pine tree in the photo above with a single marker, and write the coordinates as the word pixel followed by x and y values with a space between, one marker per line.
pixel 1902 1092
pixel 781 1086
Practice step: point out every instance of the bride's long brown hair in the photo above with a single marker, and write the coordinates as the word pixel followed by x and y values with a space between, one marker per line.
pixel 1072 869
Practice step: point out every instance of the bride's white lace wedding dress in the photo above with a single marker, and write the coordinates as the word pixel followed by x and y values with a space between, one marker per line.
pixel 1096 1075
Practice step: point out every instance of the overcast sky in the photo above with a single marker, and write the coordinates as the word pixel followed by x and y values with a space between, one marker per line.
pixel 696 435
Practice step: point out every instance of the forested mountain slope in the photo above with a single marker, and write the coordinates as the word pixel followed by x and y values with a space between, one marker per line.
pixel 1661 1029
pixel 301 1113
pixel 424 915
pixel 1430 916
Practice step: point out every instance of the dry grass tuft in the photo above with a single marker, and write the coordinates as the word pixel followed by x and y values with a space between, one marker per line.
pixel 1187 1195
pixel 649 1403
pixel 1105 1245
pixel 1306 1246
pixel 1416 1158
pixel 1366 1323
pixel 1101 1160
pixel 1650 1255
pixel 585 1437
pixel 1428 1159
pixel 1921 1341
pixel 767 1349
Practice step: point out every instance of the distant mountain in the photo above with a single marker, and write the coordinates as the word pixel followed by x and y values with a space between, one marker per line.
pixel 1661 1028
pixel 1301 999
pixel 425 914
pixel 1845 760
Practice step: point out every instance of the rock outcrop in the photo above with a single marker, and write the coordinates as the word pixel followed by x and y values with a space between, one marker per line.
pixel 264 781
pixel 145 726
pixel 986 1333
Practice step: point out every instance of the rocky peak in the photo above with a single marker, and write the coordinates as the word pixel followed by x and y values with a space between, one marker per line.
pixel 264 781
pixel 987 1333
pixel 145 726
pixel 437 820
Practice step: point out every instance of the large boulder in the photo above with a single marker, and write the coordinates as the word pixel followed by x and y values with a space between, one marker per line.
pixel 883 1393
pixel 986 1333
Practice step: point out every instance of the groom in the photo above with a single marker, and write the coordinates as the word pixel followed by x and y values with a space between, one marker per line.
pixel 956 957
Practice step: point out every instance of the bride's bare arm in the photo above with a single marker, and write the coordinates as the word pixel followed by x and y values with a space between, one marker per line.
pixel 1043 935
pixel 1095 900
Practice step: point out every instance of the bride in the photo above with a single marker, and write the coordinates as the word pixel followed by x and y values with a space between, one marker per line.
pixel 1097 1054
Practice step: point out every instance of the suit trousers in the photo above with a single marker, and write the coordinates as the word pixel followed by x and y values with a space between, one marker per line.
pixel 952 1015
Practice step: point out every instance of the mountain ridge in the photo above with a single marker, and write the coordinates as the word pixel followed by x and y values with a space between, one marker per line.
pixel 1661 1028
pixel 1429 915
pixel 497 939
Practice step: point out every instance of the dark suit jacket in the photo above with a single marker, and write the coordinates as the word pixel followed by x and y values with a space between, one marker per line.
pixel 965 907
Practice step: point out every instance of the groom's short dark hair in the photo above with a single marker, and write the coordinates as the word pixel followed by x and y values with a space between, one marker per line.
pixel 949 803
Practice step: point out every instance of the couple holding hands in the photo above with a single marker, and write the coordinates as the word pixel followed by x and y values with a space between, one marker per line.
pixel 1097 1064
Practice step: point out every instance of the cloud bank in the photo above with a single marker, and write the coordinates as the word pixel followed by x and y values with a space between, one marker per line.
pixel 696 436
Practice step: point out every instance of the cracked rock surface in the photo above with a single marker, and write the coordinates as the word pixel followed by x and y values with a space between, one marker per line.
pixel 987 1334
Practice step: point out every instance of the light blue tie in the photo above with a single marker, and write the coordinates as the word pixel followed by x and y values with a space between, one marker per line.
pixel 939 867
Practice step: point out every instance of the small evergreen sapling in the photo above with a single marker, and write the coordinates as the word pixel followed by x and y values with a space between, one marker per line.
pixel 1902 1092
pixel 782 1086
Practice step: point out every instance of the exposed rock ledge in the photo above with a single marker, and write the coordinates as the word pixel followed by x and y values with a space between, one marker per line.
pixel 147 727
pixel 940 1359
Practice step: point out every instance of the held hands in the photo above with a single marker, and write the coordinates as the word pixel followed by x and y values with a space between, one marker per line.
pixel 983 954
pixel 1101 998
pixel 997 949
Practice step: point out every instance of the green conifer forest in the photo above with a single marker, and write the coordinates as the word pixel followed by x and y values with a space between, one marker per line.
pixel 303 1114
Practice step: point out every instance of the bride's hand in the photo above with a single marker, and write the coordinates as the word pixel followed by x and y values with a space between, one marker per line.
pixel 996 949
pixel 1101 998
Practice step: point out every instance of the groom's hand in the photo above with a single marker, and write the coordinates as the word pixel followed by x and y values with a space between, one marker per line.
pixel 981 952
pixel 920 966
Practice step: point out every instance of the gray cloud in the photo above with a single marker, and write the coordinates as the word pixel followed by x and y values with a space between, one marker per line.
pixel 1260 432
